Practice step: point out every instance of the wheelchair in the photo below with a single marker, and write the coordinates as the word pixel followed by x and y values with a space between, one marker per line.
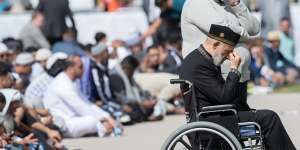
pixel 212 127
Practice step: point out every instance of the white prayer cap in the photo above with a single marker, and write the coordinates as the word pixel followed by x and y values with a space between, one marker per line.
pixel 3 48
pixel 24 59
pixel 56 56
pixel 43 54
pixel 99 48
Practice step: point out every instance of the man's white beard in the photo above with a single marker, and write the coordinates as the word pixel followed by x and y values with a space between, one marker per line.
pixel 218 60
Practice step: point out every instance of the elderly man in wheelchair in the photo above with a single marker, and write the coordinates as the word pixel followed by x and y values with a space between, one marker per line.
pixel 217 112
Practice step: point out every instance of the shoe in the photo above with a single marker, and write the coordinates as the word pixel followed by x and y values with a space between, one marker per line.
pixel 160 108
pixel 124 119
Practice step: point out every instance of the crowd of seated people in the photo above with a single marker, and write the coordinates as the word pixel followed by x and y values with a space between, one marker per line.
pixel 273 59
pixel 52 89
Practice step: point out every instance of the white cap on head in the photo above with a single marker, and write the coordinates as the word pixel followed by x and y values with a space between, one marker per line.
pixel 24 59
pixel 98 49
pixel 3 48
pixel 133 40
pixel 43 54
pixel 10 95
pixel 56 56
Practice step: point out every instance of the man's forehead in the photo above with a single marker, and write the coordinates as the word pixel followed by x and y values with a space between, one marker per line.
pixel 154 49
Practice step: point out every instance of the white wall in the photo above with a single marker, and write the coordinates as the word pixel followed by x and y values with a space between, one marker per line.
pixel 116 25
pixel 74 4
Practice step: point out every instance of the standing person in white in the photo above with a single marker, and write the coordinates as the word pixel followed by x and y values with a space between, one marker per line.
pixel 71 112
pixel 197 17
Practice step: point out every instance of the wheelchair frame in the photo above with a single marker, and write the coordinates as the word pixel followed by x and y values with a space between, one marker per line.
pixel 251 142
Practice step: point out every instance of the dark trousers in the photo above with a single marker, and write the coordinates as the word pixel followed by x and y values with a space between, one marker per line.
pixel 275 135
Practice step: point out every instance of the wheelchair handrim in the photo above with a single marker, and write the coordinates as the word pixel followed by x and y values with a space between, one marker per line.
pixel 203 129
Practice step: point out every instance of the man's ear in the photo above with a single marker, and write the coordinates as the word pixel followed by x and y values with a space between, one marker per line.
pixel 215 44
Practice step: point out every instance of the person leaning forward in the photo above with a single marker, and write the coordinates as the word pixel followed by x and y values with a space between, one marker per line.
pixel 202 68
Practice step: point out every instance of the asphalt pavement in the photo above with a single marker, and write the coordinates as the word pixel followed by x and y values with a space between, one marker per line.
pixel 150 135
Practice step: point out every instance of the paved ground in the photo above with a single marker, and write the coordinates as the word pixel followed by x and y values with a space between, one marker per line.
pixel 150 136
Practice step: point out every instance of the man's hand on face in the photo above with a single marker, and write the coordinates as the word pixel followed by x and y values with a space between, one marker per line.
pixel 235 60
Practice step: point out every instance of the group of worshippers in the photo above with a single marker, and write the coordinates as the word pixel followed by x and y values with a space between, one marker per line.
pixel 56 101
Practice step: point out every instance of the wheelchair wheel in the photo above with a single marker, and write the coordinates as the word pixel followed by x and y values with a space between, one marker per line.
pixel 201 136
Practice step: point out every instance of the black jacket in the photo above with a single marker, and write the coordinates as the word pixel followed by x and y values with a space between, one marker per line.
pixel 170 64
pixel 55 12
pixel 210 87
pixel 97 75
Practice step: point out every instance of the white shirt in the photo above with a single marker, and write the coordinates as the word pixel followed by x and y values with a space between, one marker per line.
pixel 64 100
pixel 34 94
pixel 37 70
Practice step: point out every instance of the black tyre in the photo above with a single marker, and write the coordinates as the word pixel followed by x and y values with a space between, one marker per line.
pixel 210 135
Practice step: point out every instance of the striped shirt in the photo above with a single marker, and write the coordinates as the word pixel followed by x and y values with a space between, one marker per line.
pixel 34 94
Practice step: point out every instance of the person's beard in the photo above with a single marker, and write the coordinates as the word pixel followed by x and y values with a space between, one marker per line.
pixel 218 59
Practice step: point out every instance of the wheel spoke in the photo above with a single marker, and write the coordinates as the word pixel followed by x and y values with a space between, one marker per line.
pixel 201 136
pixel 209 144
pixel 185 144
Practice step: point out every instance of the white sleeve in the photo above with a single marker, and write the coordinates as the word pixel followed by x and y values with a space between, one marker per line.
pixel 28 97
pixel 203 17
pixel 32 96
pixel 99 113
pixel 246 19
pixel 81 107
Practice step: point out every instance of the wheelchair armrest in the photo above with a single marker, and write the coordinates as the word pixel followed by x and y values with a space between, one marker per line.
pixel 217 107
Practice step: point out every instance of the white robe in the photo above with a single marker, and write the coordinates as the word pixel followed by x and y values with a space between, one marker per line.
pixel 71 112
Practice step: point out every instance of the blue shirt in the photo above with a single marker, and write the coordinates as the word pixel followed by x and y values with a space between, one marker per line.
pixel 287 47
pixel 70 48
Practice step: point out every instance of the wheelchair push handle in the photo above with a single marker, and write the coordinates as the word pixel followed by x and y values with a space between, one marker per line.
pixel 180 81
pixel 177 81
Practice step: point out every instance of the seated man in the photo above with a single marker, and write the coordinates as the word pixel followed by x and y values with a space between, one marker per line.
pixel 7 127
pixel 74 114
pixel 34 93
pixel 139 104
pixel 23 123
pixel 156 81
pixel 261 74
pixel 100 84
pixel 202 68
pixel 277 62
